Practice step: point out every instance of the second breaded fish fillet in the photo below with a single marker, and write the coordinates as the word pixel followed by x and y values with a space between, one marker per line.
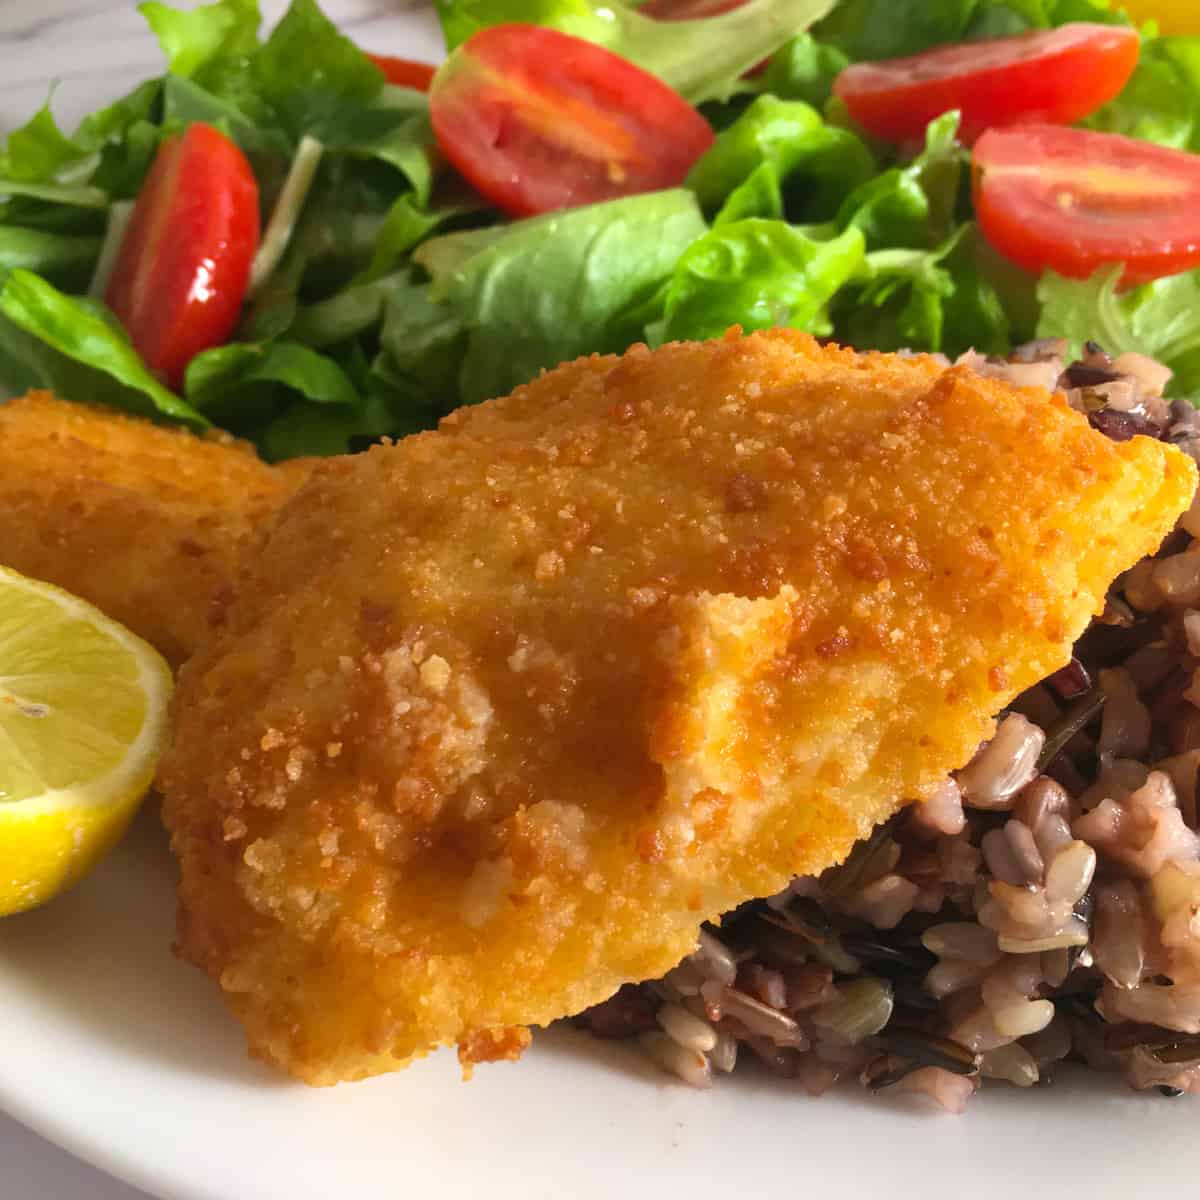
pixel 146 522
pixel 501 713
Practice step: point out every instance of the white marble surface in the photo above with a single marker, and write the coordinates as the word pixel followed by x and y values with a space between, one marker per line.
pixel 91 51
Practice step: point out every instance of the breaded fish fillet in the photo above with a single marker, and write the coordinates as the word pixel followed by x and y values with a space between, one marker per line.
pixel 501 713
pixel 145 522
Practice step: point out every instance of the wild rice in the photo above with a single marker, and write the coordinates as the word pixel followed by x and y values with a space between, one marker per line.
pixel 1041 905
pixel 689 1065
pixel 690 1031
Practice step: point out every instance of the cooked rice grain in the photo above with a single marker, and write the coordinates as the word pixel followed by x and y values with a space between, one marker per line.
pixel 1042 905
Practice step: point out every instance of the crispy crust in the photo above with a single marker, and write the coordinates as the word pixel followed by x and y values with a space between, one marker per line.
pixel 502 712
pixel 146 522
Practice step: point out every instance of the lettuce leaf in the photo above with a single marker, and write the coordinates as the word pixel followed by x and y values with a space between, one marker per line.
pixel 193 38
pixel 548 289
pixel 83 332
pixel 913 205
pixel 398 294
pixel 759 195
pixel 701 59
pixel 804 69
pixel 941 299
pixel 1160 319
pixel 874 29
pixel 790 137
pixel 312 75
pixel 758 274
pixel 65 258
pixel 224 374
pixel 1161 102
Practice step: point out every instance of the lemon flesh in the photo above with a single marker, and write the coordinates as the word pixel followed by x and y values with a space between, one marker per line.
pixel 83 715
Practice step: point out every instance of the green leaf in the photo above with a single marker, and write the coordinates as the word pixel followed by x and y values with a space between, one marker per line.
pixel 1160 319
pixel 444 255
pixel 804 69
pixel 351 312
pixel 1161 102
pixel 317 83
pixel 333 243
pixel 38 152
pixel 84 331
pixel 79 195
pixel 1103 12
pixel 68 259
pixel 822 162
pixel 310 73
pixel 111 122
pixel 935 300
pixel 873 29
pixel 406 225
pixel 912 205
pixel 192 38
pixel 314 429
pixel 769 131
pixel 41 162
pixel 701 59
pixel 976 314
pixel 225 374
pixel 462 18
pixel 289 206
pixel 759 196
pixel 402 138
pixel 185 101
pixel 545 290
pixel 124 164
pixel 422 342
pixel 758 274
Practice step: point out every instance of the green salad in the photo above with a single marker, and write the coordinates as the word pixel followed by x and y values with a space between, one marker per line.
pixel 386 289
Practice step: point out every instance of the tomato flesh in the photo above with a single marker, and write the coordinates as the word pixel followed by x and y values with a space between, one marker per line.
pixel 1073 201
pixel 537 120
pixel 181 272
pixel 405 72
pixel 1056 76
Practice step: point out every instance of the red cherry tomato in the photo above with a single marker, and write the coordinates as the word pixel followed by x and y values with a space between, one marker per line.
pixel 184 262
pixel 405 72
pixel 1056 75
pixel 1073 200
pixel 537 120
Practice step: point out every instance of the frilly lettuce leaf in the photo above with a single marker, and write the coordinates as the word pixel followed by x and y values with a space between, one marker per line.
pixel 1160 319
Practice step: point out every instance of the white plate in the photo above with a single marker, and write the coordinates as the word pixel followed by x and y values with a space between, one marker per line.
pixel 125 1057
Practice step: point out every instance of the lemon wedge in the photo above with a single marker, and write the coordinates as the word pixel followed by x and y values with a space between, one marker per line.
pixel 83 716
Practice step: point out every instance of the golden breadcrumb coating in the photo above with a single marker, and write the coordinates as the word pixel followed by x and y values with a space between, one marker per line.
pixel 501 713
pixel 145 522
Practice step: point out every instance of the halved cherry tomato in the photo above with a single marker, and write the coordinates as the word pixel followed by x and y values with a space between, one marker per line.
pixel 405 72
pixel 1056 75
pixel 538 120
pixel 181 272
pixel 1074 201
